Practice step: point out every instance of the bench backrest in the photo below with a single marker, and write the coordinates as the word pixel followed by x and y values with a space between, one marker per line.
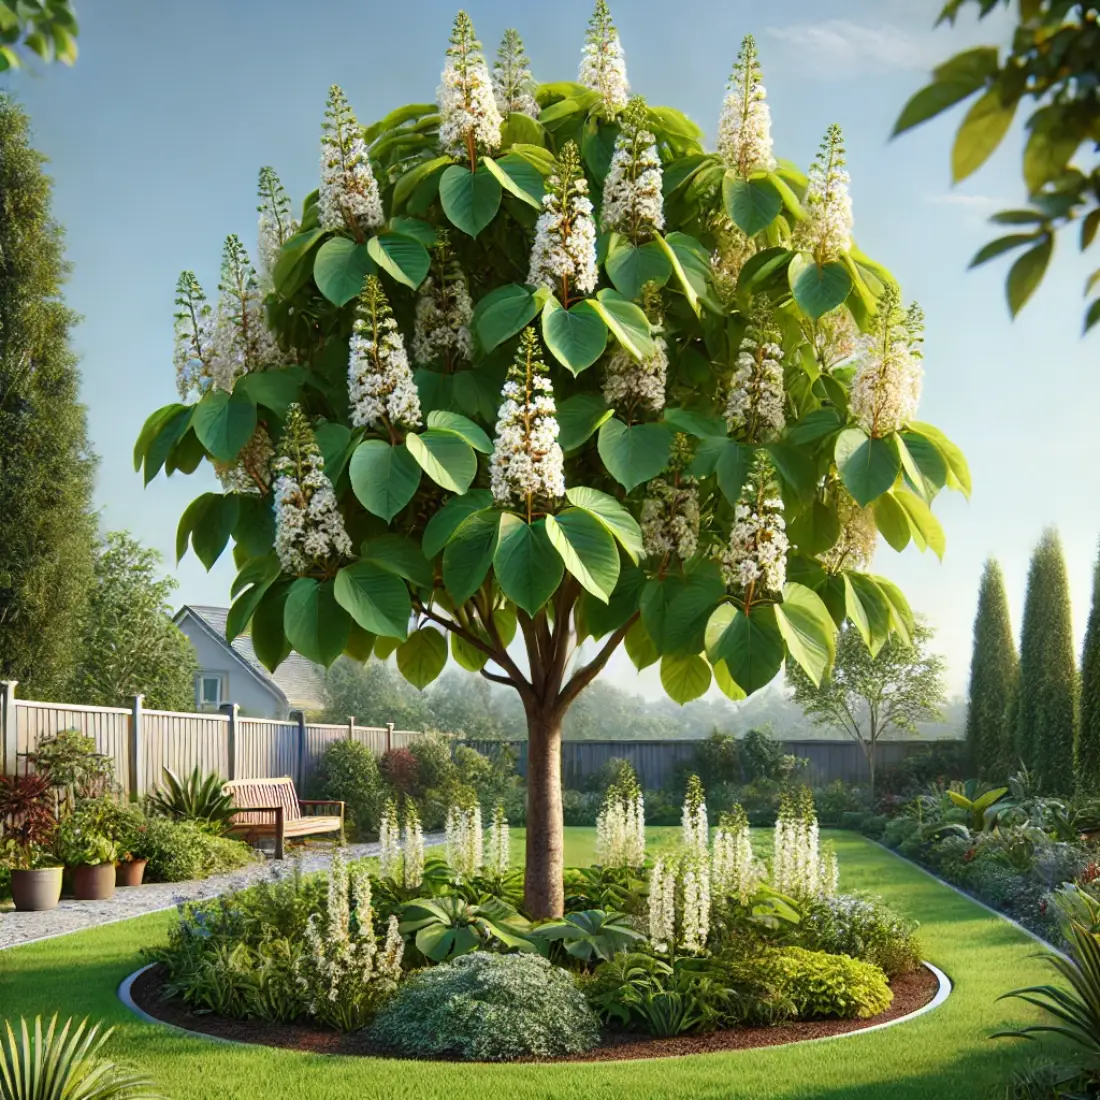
pixel 264 792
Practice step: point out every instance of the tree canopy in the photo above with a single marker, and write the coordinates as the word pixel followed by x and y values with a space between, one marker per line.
pixel 45 28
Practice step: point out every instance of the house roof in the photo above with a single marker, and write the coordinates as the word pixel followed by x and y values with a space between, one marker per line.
pixel 296 680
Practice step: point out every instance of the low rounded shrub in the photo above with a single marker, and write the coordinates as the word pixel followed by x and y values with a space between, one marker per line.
pixel 485 1007
pixel 348 771
pixel 864 928
pixel 819 984
pixel 179 851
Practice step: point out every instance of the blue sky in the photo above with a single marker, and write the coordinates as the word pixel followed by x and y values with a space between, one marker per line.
pixel 157 134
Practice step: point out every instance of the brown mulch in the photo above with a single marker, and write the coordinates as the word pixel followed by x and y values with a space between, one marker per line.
pixel 911 991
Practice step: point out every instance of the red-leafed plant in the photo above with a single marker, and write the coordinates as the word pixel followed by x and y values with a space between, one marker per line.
pixel 400 769
pixel 27 817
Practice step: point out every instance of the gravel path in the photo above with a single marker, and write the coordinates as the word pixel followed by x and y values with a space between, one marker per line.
pixel 75 916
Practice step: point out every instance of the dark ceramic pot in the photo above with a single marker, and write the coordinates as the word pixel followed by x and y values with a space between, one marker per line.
pixel 94 881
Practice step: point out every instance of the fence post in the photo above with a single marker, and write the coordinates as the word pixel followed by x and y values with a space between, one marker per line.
pixel 389 736
pixel 137 748
pixel 232 709
pixel 351 727
pixel 8 760
pixel 300 717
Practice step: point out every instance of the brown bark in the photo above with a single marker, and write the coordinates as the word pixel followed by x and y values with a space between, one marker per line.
pixel 543 890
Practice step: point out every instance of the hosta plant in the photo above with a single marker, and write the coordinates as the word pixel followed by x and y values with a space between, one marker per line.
pixel 446 926
pixel 588 935
pixel 532 366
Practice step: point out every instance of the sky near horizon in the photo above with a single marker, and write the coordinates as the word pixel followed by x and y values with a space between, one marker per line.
pixel 156 135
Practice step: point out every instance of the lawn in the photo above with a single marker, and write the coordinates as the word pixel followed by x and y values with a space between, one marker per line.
pixel 944 1054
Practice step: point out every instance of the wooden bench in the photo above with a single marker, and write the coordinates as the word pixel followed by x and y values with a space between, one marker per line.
pixel 271 807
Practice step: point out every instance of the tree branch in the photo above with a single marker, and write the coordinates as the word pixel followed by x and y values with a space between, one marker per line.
pixel 582 678
pixel 497 679
pixel 517 680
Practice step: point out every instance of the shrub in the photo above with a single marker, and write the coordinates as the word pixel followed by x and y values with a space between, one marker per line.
pixel 864 928
pixel 74 765
pixel 489 1008
pixel 179 851
pixel 819 984
pixel 944 761
pixel 762 757
pixel 79 842
pixel 474 770
pixel 434 766
pixel 401 770
pixel 349 772
pixel 837 800
pixel 197 797
pixel 581 807
pixel 715 760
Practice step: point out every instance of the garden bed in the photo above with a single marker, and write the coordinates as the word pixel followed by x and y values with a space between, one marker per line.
pixel 911 992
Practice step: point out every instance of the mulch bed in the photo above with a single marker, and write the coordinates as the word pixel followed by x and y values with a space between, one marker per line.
pixel 911 991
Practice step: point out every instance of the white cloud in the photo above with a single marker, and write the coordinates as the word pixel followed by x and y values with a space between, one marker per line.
pixel 977 207
pixel 841 48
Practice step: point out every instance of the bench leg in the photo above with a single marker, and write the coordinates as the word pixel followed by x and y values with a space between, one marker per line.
pixel 279 838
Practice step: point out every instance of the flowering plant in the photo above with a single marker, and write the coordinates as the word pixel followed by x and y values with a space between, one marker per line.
pixel 523 381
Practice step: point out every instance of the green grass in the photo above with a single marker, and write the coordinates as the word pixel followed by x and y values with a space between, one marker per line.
pixel 943 1055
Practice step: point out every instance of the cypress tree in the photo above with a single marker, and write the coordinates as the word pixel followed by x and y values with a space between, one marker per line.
pixel 1048 672
pixel 994 671
pixel 1088 732
pixel 47 529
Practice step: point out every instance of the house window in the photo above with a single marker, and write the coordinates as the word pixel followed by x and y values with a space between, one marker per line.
pixel 209 690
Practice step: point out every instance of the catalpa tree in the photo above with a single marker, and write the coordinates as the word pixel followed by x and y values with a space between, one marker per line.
pixel 534 367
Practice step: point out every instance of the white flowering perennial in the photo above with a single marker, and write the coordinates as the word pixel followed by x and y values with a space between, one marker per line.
pixel 413 848
pixel 620 825
pixel 670 518
pixel 756 560
pixel 662 906
pixel 348 196
pixel 309 530
pixel 470 120
pixel 389 843
pixel 800 868
pixel 464 843
pixel 733 249
pixel 193 353
pixel 563 256
pixel 836 337
pixel 498 855
pixel 754 410
pixel 382 393
pixel 277 225
pixel 635 384
pixel 734 870
pixel 745 125
pixel 694 830
pixel 513 84
pixel 633 202
pixel 695 923
pixel 886 389
pixel 527 460
pixel 443 311
pixel 603 63
pixel 855 545
pixel 828 229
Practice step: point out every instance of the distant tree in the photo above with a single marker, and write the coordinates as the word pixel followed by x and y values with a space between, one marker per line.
pixel 868 695
pixel 1048 671
pixel 47 530
pixel 46 28
pixel 463 703
pixel 994 673
pixel 1088 732
pixel 129 644
pixel 374 694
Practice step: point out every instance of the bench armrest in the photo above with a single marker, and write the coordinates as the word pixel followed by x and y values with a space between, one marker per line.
pixel 320 802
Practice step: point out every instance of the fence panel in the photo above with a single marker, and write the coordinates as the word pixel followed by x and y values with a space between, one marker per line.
pixel 318 738
pixel 267 749
pixel 182 742
pixel 108 726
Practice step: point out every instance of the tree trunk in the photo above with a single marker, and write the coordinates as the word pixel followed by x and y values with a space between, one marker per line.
pixel 871 752
pixel 543 890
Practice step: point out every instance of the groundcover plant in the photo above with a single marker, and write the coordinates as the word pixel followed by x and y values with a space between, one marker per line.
pixel 534 367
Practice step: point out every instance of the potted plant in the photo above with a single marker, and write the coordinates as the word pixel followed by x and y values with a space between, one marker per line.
pixel 90 855
pixel 131 837
pixel 28 826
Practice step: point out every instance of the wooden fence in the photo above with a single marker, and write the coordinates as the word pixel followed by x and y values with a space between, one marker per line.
pixel 142 743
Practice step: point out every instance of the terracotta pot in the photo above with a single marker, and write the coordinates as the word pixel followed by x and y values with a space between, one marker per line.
pixel 94 881
pixel 130 872
pixel 36 891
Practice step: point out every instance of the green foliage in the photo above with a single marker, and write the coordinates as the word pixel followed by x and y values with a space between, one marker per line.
pixel 45 28
pixel 181 851
pixel 197 797
pixel 762 757
pixel 588 935
pixel 823 985
pixel 348 772
pixel 864 928
pixel 79 842
pixel 488 1008
pixel 75 769
pixel 1047 709
pixel 445 927
pixel 1087 747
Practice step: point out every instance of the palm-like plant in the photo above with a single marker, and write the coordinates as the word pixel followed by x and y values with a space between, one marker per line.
pixel 981 811
pixel 197 798
pixel 65 1065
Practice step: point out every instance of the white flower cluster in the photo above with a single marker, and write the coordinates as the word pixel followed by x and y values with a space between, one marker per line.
pixel 734 870
pixel 695 925
pixel 694 830
pixel 754 410
pixel 855 545
pixel 620 827
pixel 732 251
pixel 757 555
pixel 389 843
pixel 527 459
pixel 413 848
pixel 564 252
pixel 799 866
pixel 637 383
pixel 309 529
pixel 886 389
pixel 469 117
pixel 443 311
pixel 250 471
pixel 348 196
pixel 464 843
pixel 498 857
pixel 633 201
pixel 603 63
pixel 277 224
pixel 828 229
pixel 381 388
pixel 193 354
pixel 745 125
pixel 662 906
pixel 670 518
pixel 836 337
pixel 513 84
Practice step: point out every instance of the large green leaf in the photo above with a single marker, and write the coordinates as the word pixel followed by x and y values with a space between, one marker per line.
pixel 752 205
pixel 468 655
pixel 445 457
pixel 470 199
pixel 676 608
pixel 576 337
pixel 334 439
pixel 750 645
pixel 408 183
pixel 626 321
pixel 339 269
pixel 684 676
pixel 588 550
pixel 153 426
pixel 579 416
pixel 725 683
pixel 796 468
pixel 808 629
pixel 273 389
pixel 815 529
pixel 461 425
pixel 402 258
pixel 269 639
pixel 399 555
pixel 640 647
pixel 635 453
pixel 446 521
pixel 1027 272
pixel 517 176
pixel 631 266
pixel 612 515
pixel 985 124
pixel 422 656
pixel 244 606
pixel 254 531
pixel 892 522
pixel 527 566
pixel 868 467
pixel 219 519
pixel 502 313
pixel 734 460
pixel 383 478
pixel 376 599
pixel 924 523
pixel 596 618
pixel 689 263
pixel 295 262
pixel 469 553
pixel 868 608
pixel 958 472
pixel 818 289
pixel 224 423
pixel 315 623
